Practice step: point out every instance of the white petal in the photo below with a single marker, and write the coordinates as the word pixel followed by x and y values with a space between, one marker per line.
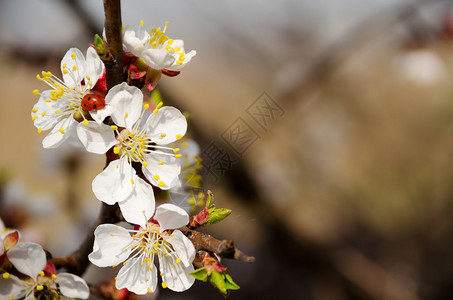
pixel 93 68
pixel 187 59
pixel 27 258
pixel 168 120
pixel 167 169
pixel 96 138
pixel 109 244
pixel 12 287
pixel 100 114
pixel 126 102
pixel 73 78
pixel 157 59
pixel 138 208
pixel 55 137
pixel 133 276
pixel 170 216
pixel 43 106
pixel 178 278
pixel 183 247
pixel 114 183
pixel 72 286
pixel 132 42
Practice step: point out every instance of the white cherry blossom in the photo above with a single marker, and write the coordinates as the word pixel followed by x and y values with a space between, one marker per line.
pixel 135 143
pixel 30 260
pixel 57 109
pixel 156 49
pixel 138 249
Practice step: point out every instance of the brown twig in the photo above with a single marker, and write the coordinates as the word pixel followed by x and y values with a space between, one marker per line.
pixel 113 27
pixel 223 248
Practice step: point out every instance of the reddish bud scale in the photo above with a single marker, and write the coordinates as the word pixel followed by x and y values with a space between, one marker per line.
pixel 11 240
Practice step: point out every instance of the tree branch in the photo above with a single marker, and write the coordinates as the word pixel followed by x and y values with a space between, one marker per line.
pixel 113 28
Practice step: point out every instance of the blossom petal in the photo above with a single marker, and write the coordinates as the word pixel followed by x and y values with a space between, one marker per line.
pixel 187 59
pixel 12 288
pixel 162 170
pixel 126 102
pixel 100 114
pixel 28 258
pixel 183 247
pixel 138 208
pixel 157 59
pixel 45 110
pixel 96 138
pixel 109 244
pixel 114 183
pixel 132 42
pixel 62 130
pixel 72 67
pixel 176 276
pixel 170 216
pixel 93 68
pixel 133 276
pixel 72 286
pixel 166 126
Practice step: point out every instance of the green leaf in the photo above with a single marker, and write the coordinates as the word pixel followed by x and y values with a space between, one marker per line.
pixel 210 199
pixel 218 281
pixel 218 215
pixel 200 274
pixel 230 284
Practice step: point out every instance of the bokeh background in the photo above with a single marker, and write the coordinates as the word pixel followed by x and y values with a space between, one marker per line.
pixel 345 192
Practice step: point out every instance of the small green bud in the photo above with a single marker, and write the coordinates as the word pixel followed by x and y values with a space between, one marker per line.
pixel 200 274
pixel 217 215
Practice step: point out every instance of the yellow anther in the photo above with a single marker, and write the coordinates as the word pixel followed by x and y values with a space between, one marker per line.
pixel 43 113
pixel 170 42
pixel 164 285
pixel 116 150
pixel 116 278
pixel 176 150
pixel 146 106
pixel 168 48
pixel 156 177
pixel 124 263
pixel 34 118
pixel 126 115
pixel 160 163
pixel 156 111
pixel 172 266
pixel 85 122
pixel 142 23
pixel 41 274
pixel 54 276
pixel 133 150
pixel 73 56
pixel 111 234
pixel 74 68
pixel 6 275
pixel 48 100
pixel 39 287
pixel 161 183
pixel 178 136
pixel 35 92
pixel 39 130
pixel 116 227
pixel 62 130
pixel 132 180
pixel 71 104
pixel 163 135
pixel 178 155
pixel 142 263
pixel 149 290
pixel 145 164
pixel 34 110
pixel 38 77
pixel 160 104
pixel 179 62
pixel 114 127
pixel 65 71
pixel 114 266
pixel 178 260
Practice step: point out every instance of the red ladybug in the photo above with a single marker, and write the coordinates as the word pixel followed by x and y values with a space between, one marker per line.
pixel 93 101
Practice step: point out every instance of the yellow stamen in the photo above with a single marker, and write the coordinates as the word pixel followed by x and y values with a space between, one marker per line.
pixel 62 130
pixel 178 136
pixel 35 92
pixel 85 122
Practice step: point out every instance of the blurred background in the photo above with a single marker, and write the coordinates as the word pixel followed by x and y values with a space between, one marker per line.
pixel 326 126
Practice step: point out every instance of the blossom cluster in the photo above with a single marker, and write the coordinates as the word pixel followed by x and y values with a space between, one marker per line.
pixel 140 141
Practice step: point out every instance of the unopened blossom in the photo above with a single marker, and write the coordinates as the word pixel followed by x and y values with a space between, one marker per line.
pixel 59 108
pixel 30 260
pixel 156 49
pixel 136 143
pixel 187 193
pixel 137 251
